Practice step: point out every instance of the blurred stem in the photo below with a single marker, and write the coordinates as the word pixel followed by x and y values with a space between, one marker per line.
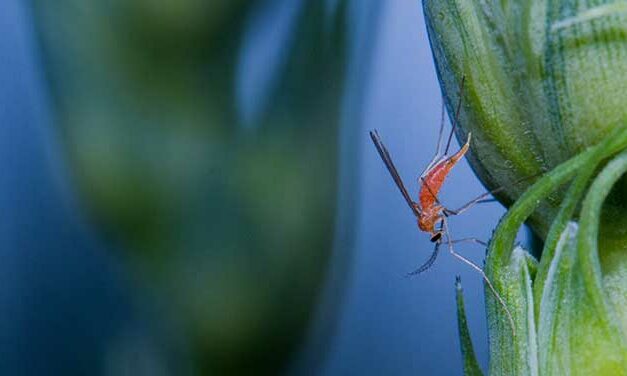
pixel 471 366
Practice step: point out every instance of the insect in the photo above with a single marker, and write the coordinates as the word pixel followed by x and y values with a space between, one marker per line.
pixel 431 214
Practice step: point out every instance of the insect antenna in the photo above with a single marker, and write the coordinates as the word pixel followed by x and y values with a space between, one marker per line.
pixel 427 265
pixel 457 112
pixel 387 160
pixel 434 255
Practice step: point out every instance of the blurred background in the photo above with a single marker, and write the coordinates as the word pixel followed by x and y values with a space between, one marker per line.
pixel 188 188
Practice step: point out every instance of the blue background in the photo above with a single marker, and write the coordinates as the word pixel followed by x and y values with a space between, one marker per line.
pixel 58 279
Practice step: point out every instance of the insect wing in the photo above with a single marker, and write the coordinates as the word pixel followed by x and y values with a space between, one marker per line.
pixel 383 152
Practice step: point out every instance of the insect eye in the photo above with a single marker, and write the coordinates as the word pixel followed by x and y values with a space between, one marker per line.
pixel 437 236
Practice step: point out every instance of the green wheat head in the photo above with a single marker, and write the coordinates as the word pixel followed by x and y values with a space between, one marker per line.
pixel 546 94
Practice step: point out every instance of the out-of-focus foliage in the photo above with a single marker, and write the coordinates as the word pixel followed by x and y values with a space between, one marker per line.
pixel 229 223
pixel 471 366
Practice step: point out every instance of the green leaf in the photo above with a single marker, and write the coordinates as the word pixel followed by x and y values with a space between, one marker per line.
pixel 502 243
pixel 543 80
pixel 579 328
pixel 471 366
pixel 508 267
pixel 553 326
pixel 576 337
pixel 569 204
pixel 468 41
pixel 514 352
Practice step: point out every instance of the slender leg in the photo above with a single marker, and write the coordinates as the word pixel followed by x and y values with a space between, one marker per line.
pixel 472 203
pixel 485 197
pixel 487 201
pixel 456 119
pixel 438 153
pixel 441 133
pixel 478 269
pixel 470 240
pixel 449 212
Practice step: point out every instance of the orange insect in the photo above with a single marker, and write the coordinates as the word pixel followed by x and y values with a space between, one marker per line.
pixel 429 211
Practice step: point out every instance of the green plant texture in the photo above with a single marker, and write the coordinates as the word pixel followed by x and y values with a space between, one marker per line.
pixel 544 96
pixel 225 218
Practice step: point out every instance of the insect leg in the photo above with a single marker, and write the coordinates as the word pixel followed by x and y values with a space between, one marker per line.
pixel 470 240
pixel 456 118
pixel 438 154
pixel 441 132
pixel 479 200
pixel 450 212
pixel 487 201
pixel 480 271
pixel 484 198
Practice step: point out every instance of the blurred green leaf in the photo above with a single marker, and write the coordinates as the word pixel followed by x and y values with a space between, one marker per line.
pixel 471 366
pixel 229 230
